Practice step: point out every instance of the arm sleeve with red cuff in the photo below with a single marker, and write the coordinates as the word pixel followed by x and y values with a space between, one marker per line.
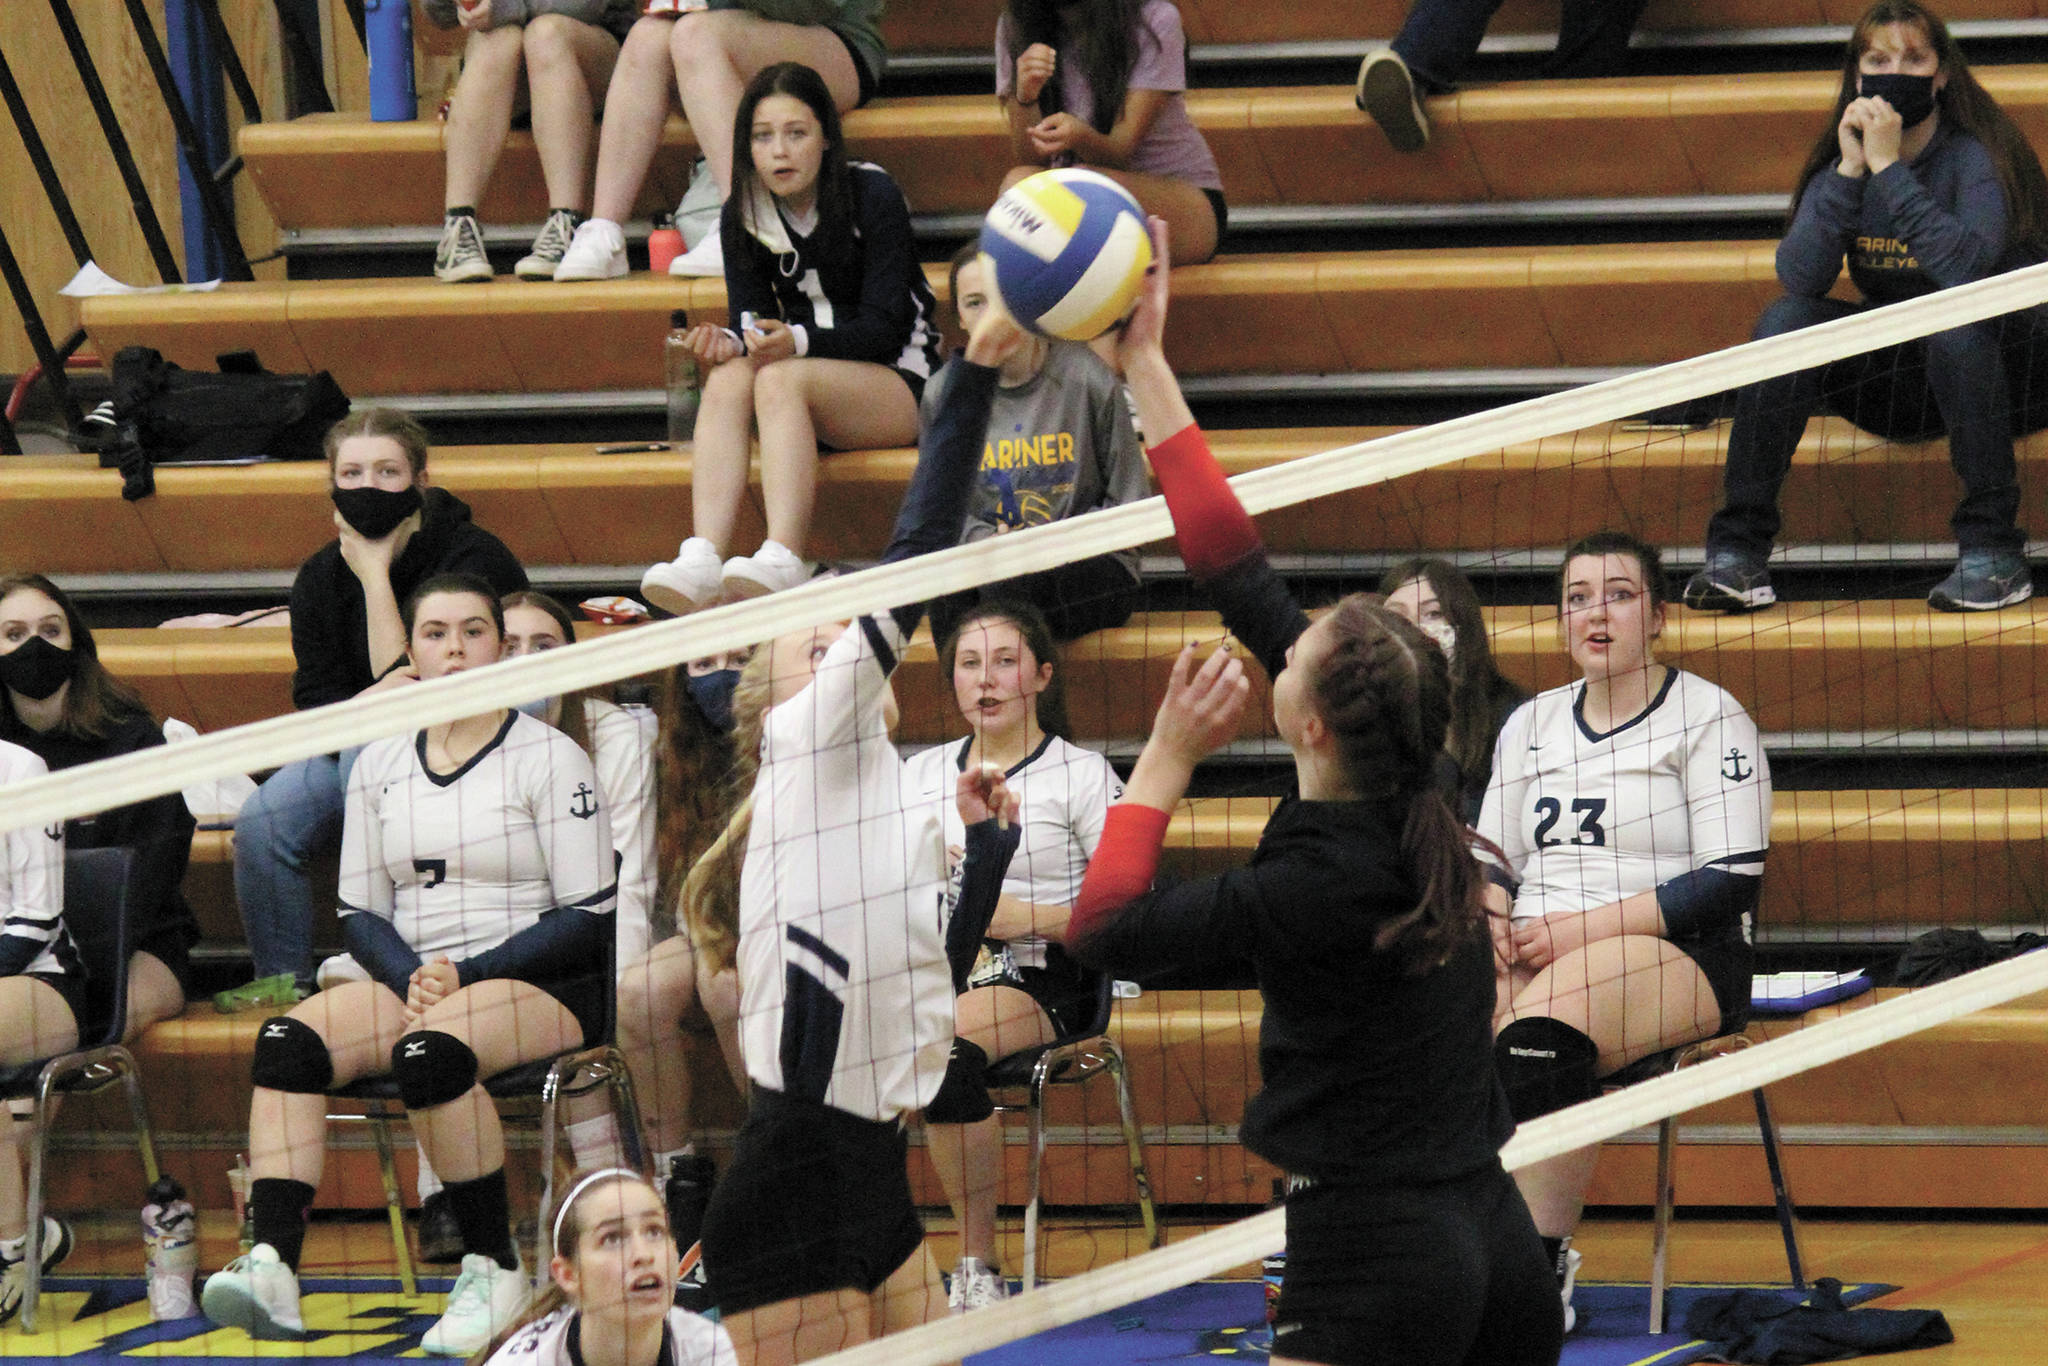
pixel 1122 924
pixel 1222 549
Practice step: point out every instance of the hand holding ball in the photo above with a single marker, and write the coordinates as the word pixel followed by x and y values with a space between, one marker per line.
pixel 1069 250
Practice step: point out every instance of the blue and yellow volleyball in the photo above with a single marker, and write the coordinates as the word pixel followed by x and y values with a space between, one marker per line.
pixel 1069 251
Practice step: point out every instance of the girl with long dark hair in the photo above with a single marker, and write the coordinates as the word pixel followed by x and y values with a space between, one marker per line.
pixel 1921 182
pixel 1362 913
pixel 832 337
pixel 1103 84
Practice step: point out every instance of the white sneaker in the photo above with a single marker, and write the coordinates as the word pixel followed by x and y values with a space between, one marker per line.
pixel 460 257
pixel 14 1270
pixel 976 1285
pixel 690 581
pixel 256 1293
pixel 486 1298
pixel 549 246
pixel 706 258
pixel 770 569
pixel 338 970
pixel 596 252
pixel 1572 1258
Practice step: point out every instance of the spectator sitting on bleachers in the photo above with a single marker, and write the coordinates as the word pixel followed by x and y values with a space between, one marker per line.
pixel 1061 442
pixel 1923 183
pixel 1633 811
pixel 552 58
pixel 42 1000
pixel 1435 595
pixel 708 57
pixel 60 703
pixel 1103 84
pixel 1429 56
pixel 1006 674
pixel 667 991
pixel 477 888
pixel 393 533
pixel 833 337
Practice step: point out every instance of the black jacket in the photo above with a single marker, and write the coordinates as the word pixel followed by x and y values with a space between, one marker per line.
pixel 330 624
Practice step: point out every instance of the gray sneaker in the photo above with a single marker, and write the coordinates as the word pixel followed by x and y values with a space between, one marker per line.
pixel 1731 582
pixel 1983 581
pixel 460 258
pixel 1386 91
pixel 548 247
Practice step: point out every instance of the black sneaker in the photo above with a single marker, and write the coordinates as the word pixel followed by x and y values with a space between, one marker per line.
pixel 460 258
pixel 1731 582
pixel 548 248
pixel 14 1272
pixel 1386 91
pixel 1984 581
pixel 693 1289
pixel 440 1235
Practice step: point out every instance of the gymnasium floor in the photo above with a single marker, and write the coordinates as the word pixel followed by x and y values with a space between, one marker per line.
pixel 1988 1277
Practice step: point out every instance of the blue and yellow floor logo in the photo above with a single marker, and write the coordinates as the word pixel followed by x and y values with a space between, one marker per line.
pixel 82 1320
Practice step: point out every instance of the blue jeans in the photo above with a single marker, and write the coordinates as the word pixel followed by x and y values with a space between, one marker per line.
pixel 1440 37
pixel 294 818
pixel 1980 384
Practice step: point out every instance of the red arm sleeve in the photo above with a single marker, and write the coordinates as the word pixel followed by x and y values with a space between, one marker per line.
pixel 1125 862
pixel 1211 526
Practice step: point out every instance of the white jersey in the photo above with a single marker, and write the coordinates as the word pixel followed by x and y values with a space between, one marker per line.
pixel 622 750
pixel 1065 793
pixel 32 880
pixel 461 862
pixel 1587 819
pixel 845 993
pixel 548 1341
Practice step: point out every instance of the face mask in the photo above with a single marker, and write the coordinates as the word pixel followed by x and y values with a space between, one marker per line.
pixel 1912 96
pixel 712 694
pixel 376 513
pixel 36 668
pixel 1446 637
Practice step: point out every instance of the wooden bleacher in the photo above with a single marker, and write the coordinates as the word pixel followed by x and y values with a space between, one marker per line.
pixel 557 504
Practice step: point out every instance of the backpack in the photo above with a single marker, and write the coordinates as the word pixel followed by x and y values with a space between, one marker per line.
pixel 164 413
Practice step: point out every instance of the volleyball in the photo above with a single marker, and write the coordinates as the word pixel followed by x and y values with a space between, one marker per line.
pixel 1070 250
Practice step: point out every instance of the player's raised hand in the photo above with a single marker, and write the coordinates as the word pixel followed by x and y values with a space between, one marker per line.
pixel 1205 699
pixel 983 794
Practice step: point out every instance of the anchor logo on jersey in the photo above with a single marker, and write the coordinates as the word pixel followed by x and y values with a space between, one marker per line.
pixel 55 832
pixel 1733 769
pixel 582 804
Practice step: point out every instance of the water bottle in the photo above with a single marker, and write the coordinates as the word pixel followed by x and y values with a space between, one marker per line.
pixel 170 1239
pixel 681 379
pixel 387 35
pixel 664 244
pixel 1273 1269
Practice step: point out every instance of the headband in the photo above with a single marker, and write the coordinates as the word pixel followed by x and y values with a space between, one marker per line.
pixel 603 1174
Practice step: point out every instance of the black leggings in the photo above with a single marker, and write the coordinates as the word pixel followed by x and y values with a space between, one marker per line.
pixel 1085 595
pixel 1447 1274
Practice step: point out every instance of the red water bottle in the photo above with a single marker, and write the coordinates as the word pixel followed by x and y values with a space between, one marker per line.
pixel 664 244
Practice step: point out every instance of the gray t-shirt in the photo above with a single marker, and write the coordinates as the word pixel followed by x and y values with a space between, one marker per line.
pixel 1060 444
pixel 1172 146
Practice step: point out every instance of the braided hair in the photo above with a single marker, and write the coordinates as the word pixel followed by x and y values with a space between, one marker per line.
pixel 1384 690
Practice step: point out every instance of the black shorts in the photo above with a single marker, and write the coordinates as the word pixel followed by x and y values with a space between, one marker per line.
pixel 584 997
pixel 170 944
pixel 1222 208
pixel 1064 990
pixel 72 988
pixel 1727 964
pixel 816 1199
pixel 870 81
pixel 1426 1275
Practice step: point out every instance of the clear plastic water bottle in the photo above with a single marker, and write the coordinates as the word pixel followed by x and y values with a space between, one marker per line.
pixel 170 1239
pixel 681 378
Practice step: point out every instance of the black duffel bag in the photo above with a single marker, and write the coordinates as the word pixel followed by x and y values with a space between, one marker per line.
pixel 165 413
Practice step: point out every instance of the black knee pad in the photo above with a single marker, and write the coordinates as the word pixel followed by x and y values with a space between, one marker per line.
pixel 963 1096
pixel 432 1068
pixel 1545 1065
pixel 291 1056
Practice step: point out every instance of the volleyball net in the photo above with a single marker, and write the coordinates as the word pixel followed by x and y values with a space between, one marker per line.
pixel 1904 747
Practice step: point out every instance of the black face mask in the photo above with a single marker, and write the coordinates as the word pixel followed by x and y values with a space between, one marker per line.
pixel 35 668
pixel 712 692
pixel 375 513
pixel 1911 96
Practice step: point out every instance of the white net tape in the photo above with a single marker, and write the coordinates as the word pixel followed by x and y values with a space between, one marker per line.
pixel 269 744
pixel 1211 1253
